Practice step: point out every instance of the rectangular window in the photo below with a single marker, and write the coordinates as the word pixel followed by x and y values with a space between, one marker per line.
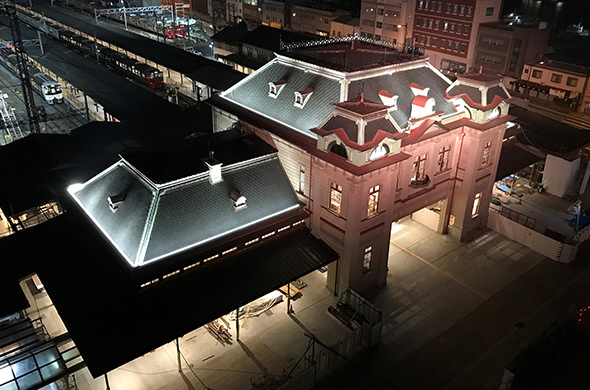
pixel 301 180
pixel 378 25
pixel 469 10
pixel 475 209
pixel 335 197
pixel 419 169
pixel 367 259
pixel 537 74
pixel 485 156
pixel 373 207
pixel 380 11
pixel 443 158
pixel 571 81
pixel 489 11
pixel 556 78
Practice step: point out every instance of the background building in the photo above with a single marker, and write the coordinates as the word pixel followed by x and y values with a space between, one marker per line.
pixel 344 26
pixel 448 31
pixel 561 82
pixel 505 49
pixel 389 20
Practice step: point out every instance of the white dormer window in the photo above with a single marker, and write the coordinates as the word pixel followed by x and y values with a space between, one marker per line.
pixel 301 97
pixel 274 88
pixel 388 99
pixel 238 200
pixel 115 201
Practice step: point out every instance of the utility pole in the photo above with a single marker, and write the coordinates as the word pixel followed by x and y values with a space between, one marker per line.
pixel 23 71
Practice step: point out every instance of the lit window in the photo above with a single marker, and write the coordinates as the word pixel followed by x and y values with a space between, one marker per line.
pixel 378 152
pixel 443 158
pixel 301 180
pixel 335 197
pixel 475 209
pixel 419 169
pixel 373 207
pixel 367 259
pixel 485 156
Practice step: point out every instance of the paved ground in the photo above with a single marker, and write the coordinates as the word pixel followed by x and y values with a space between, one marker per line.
pixel 454 316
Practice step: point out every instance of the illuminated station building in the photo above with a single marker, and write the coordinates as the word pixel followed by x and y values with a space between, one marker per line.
pixel 368 136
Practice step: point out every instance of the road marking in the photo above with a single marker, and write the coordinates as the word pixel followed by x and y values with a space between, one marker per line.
pixel 448 275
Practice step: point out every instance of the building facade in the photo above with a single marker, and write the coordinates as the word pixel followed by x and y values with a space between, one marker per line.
pixel 389 20
pixel 448 31
pixel 557 81
pixel 313 20
pixel 344 26
pixel 505 49
pixel 365 145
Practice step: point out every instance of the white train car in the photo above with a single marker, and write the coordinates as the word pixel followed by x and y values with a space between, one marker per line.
pixel 51 90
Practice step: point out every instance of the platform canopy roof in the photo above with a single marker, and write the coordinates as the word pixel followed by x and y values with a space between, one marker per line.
pixel 149 214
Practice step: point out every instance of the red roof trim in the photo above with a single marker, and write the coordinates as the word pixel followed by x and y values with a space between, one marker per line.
pixel 386 94
pixel 379 136
pixel 495 102
pixel 417 86
pixel 421 100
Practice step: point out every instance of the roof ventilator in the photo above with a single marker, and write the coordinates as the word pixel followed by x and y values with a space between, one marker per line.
pixel 238 200
pixel 214 169
pixel 115 201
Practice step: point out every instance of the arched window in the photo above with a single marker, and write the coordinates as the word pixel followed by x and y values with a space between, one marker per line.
pixel 378 152
pixel 338 149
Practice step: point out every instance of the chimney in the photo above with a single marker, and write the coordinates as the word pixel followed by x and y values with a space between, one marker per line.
pixel 214 168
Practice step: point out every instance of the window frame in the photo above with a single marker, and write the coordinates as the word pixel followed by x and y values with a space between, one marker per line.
pixel 444 155
pixel 476 205
pixel 367 259
pixel 419 168
pixel 373 201
pixel 486 154
pixel 335 204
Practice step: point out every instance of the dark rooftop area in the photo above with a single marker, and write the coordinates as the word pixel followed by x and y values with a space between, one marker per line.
pixel 347 55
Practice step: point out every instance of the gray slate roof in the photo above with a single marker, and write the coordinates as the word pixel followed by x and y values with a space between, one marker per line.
pixel 154 222
pixel 254 94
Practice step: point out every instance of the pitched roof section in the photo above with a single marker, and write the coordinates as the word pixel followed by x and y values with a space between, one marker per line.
pixel 253 93
pixel 157 221
pixel 398 83
pixel 483 90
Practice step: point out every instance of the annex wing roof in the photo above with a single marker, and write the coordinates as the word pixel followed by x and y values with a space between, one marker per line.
pixel 254 94
pixel 154 221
